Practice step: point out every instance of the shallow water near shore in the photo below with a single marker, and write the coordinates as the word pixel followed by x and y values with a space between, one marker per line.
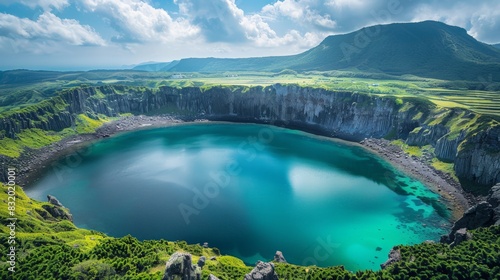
pixel 249 190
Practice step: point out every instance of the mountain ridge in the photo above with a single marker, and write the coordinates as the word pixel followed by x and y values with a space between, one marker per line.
pixel 428 49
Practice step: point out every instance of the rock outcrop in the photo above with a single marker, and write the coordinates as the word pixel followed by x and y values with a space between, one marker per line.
pixel 279 258
pixel 426 135
pixel 484 214
pixel 262 271
pixel 201 261
pixel 54 201
pixel 180 267
pixel 347 115
pixel 394 256
pixel 55 209
pixel 479 157
pixel 460 236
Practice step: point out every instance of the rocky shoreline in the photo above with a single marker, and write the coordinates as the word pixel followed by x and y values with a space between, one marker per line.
pixel 32 163
pixel 457 200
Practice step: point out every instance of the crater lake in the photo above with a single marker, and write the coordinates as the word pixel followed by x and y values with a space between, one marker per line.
pixel 248 190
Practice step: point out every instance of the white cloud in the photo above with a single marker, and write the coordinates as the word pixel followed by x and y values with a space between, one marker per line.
pixel 48 29
pixel 305 12
pixel 47 5
pixel 486 24
pixel 481 20
pixel 346 4
pixel 138 21
pixel 224 21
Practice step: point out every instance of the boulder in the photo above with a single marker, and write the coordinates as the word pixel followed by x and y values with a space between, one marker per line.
pixel 201 261
pixel 461 235
pixel 279 258
pixel 212 277
pixel 57 212
pixel 394 256
pixel 262 271
pixel 54 201
pixel 494 200
pixel 180 267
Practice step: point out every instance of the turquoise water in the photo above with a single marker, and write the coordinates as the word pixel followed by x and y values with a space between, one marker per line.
pixel 249 190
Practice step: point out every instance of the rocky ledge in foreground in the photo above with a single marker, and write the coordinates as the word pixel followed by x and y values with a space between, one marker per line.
pixel 262 271
pixel 484 214
pixel 180 267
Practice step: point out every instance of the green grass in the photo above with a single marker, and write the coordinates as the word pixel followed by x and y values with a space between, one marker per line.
pixel 410 150
pixel 16 95
pixel 445 167
pixel 35 138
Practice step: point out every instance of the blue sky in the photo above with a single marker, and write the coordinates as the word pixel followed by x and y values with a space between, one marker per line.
pixel 86 34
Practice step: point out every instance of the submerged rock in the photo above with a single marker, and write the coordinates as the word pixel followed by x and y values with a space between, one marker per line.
pixel 262 271
pixel 279 258
pixel 180 267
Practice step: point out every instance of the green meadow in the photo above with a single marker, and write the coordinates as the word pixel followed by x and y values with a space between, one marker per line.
pixel 18 90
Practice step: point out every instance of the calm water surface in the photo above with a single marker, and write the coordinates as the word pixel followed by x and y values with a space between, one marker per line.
pixel 249 190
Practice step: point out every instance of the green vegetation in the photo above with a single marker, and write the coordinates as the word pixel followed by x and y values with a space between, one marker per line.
pixel 36 138
pixel 445 167
pixel 411 150
pixel 481 96
pixel 51 248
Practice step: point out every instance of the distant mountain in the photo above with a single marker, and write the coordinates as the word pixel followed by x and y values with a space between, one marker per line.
pixel 155 66
pixel 496 46
pixel 428 49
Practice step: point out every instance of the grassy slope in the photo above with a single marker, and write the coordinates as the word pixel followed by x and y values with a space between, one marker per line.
pixel 36 138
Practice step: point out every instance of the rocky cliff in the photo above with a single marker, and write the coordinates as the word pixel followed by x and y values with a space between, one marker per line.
pixel 484 214
pixel 457 135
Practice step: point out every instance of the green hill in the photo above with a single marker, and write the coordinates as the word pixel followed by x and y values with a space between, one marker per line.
pixel 428 49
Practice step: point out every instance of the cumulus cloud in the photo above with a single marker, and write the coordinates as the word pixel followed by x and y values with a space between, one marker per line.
pixel 26 34
pixel 480 19
pixel 138 21
pixel 224 21
pixel 219 20
pixel 47 5
pixel 309 12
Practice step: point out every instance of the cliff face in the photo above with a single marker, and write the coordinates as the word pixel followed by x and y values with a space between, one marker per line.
pixel 456 135
pixel 479 157
pixel 347 115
